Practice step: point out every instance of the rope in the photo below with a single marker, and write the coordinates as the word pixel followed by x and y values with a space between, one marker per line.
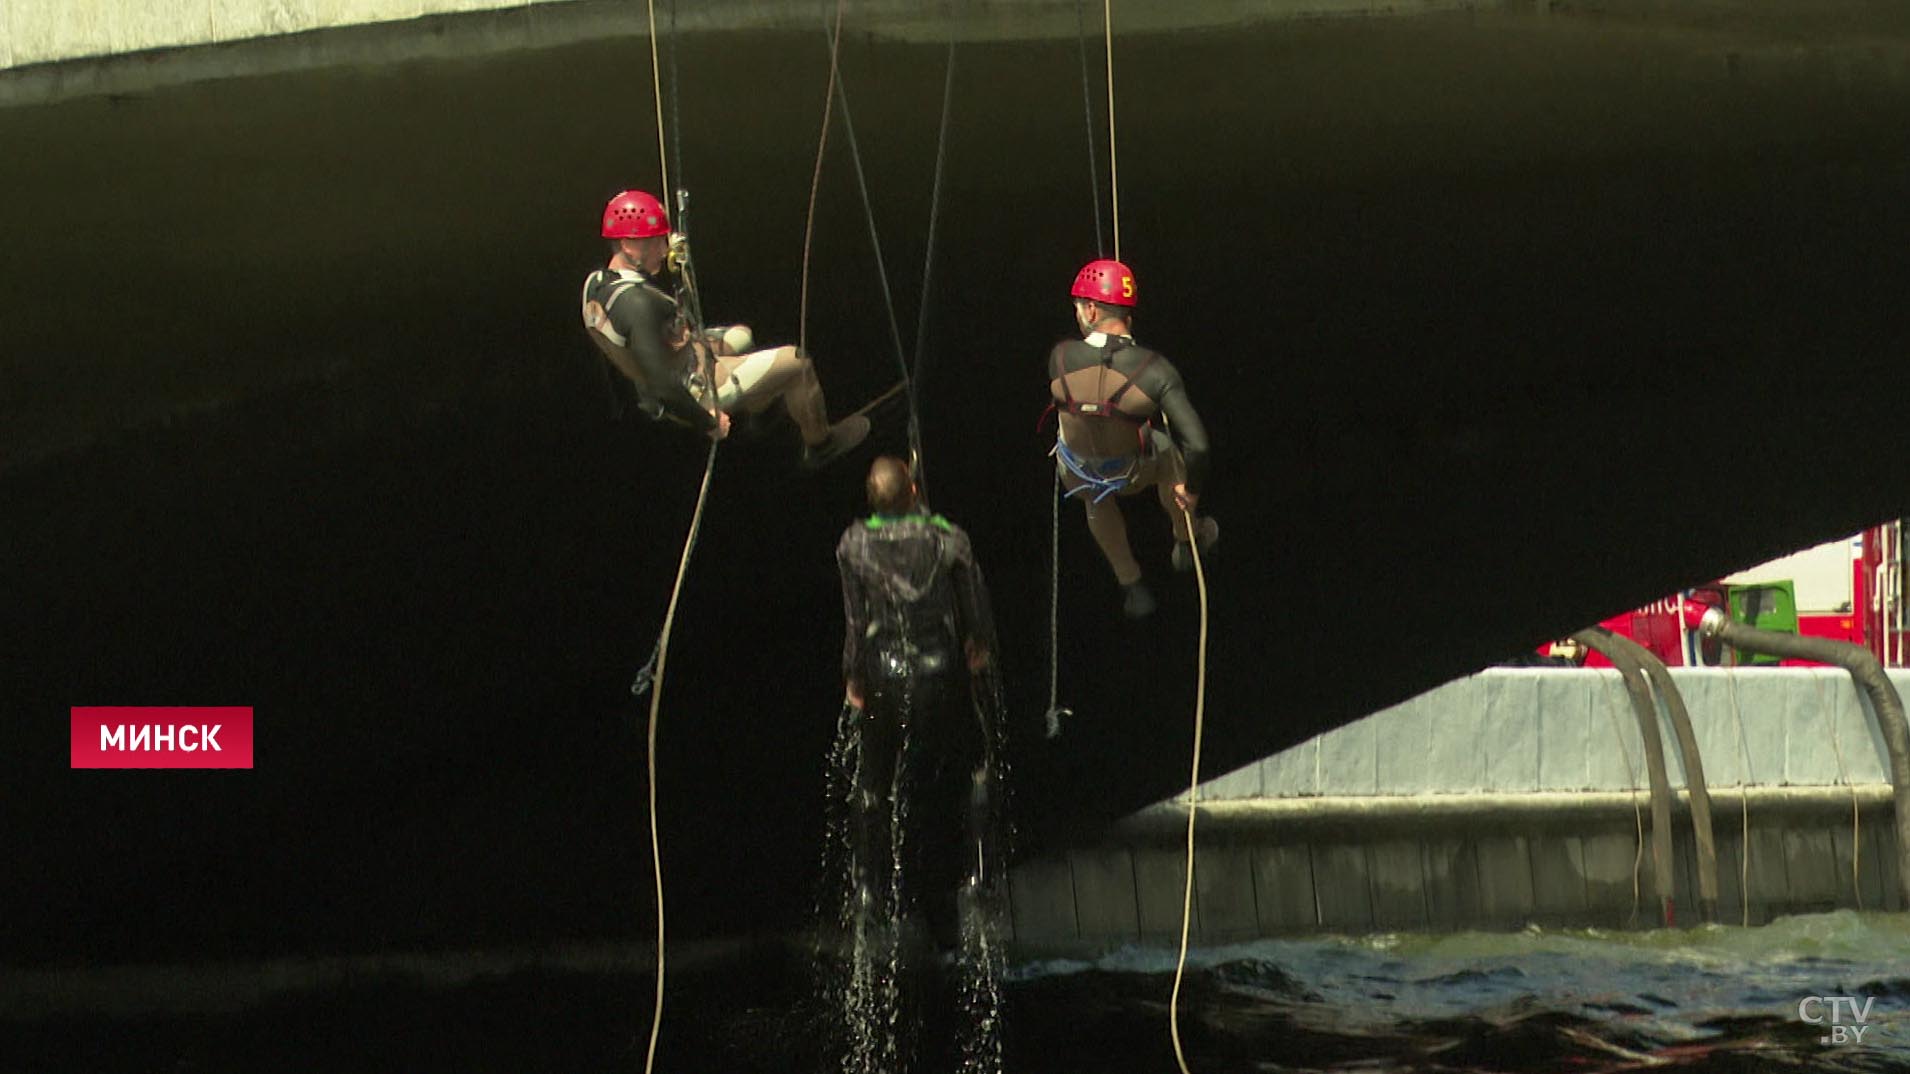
pixel 1193 794
pixel 1055 709
pixel 839 95
pixel 928 266
pixel 883 398
pixel 656 703
pixel 1087 111
pixel 868 212
pixel 676 100
pixel 660 657
pixel 1114 168
pixel 815 185
pixel 656 89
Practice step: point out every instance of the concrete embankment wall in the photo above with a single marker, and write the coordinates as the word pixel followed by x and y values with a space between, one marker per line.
pixel 1508 798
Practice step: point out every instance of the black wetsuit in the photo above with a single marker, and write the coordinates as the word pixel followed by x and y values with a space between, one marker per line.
pixel 1152 375
pixel 641 319
pixel 914 602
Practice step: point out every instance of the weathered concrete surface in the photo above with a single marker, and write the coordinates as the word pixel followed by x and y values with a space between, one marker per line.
pixel 82 47
pixel 1499 863
pixel 1510 730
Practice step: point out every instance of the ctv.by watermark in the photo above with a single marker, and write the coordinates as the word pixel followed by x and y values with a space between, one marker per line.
pixel 1844 1019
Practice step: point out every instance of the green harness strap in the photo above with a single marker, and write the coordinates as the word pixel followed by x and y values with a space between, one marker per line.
pixel 879 520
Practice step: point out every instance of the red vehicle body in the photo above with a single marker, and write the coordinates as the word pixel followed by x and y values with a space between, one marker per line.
pixel 1849 590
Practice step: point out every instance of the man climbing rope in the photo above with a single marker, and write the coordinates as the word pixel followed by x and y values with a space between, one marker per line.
pixel 926 736
pixel 1107 390
pixel 642 331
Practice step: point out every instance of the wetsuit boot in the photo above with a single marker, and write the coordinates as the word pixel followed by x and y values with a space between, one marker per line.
pixel 1207 531
pixel 844 437
pixel 1137 601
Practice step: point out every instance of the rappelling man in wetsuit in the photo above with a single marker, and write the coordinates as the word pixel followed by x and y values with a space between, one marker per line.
pixel 641 329
pixel 1107 392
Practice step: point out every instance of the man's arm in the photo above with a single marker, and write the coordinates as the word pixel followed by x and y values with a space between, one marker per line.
pixel 971 601
pixel 1186 426
pixel 642 320
pixel 853 627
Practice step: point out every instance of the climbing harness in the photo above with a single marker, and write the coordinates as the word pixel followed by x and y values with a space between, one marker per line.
pixel 1102 477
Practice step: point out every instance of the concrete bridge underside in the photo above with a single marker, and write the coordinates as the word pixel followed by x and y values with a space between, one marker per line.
pixel 1504 319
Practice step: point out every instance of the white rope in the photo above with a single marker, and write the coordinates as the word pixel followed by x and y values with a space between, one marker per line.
pixel 656 702
pixel 656 88
pixel 1114 167
pixel 1193 793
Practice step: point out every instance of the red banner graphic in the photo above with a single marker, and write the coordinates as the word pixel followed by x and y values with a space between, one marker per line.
pixel 162 737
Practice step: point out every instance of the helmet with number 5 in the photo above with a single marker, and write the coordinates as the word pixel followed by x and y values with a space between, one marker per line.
pixel 1107 282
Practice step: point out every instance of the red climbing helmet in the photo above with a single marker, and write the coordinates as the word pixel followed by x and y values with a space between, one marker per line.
pixel 635 215
pixel 1105 281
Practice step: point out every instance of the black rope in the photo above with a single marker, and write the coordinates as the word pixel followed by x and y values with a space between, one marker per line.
pixel 928 265
pixel 875 239
pixel 1087 109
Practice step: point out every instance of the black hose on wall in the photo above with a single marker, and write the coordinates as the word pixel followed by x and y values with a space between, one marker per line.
pixel 1647 713
pixel 1695 785
pixel 1869 675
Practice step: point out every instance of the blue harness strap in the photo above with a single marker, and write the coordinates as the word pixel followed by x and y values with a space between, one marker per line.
pixel 1103 477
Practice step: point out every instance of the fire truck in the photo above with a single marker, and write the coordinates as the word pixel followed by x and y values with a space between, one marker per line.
pixel 1852 589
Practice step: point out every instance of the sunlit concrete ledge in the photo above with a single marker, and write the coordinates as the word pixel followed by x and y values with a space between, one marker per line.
pixel 1167 821
pixel 53 50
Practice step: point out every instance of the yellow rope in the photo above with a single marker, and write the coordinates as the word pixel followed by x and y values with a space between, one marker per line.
pixel 656 88
pixel 1114 168
pixel 1193 793
pixel 656 702
pixel 669 616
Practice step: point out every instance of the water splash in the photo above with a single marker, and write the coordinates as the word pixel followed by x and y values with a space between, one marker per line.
pixel 880 978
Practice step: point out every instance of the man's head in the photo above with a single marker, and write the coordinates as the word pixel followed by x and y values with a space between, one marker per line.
pixel 1104 294
pixel 638 228
pixel 891 487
